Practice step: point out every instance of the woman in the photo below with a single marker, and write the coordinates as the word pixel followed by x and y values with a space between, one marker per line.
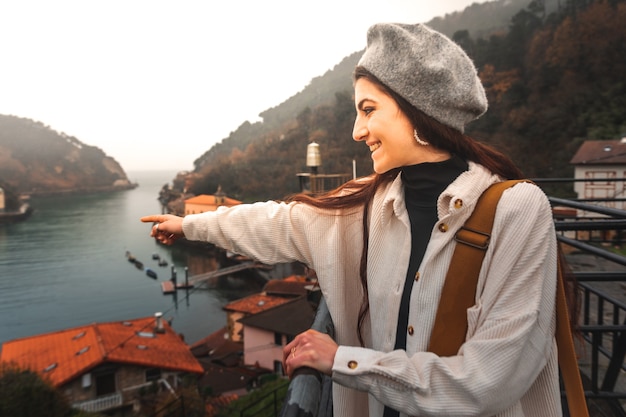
pixel 381 246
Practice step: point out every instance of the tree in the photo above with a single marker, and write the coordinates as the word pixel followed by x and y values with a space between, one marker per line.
pixel 24 393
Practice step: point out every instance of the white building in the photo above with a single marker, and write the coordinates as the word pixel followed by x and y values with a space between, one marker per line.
pixel 602 164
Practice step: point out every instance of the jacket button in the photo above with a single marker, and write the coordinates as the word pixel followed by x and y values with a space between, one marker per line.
pixel 417 275
pixel 443 227
pixel 352 364
pixel 458 203
pixel 410 330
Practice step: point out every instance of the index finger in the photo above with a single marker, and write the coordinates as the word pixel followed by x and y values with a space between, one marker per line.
pixel 152 218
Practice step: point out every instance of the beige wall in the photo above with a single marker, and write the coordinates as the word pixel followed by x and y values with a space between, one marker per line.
pixel 198 208
pixel 259 347
pixel 598 188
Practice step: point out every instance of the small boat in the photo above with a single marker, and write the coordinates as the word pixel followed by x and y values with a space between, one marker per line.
pixel 14 216
pixel 155 256
pixel 151 273
pixel 139 265
pixel 162 262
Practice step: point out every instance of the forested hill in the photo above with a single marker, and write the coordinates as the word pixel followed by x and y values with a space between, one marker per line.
pixel 554 77
pixel 34 159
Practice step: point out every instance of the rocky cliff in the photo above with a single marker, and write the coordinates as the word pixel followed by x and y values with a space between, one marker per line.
pixel 34 159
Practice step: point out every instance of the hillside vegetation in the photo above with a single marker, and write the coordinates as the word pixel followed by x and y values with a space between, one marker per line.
pixel 553 79
pixel 34 159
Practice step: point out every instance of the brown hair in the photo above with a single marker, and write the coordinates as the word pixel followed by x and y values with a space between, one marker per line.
pixel 359 193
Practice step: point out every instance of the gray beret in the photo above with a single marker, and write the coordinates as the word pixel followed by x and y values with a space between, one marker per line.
pixel 428 70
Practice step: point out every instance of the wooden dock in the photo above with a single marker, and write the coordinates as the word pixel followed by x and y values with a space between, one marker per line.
pixel 168 287
pixel 200 278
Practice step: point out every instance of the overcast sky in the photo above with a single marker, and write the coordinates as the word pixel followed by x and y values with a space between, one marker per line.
pixel 155 84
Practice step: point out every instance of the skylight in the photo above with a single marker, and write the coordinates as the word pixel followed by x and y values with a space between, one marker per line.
pixel 83 350
pixel 50 367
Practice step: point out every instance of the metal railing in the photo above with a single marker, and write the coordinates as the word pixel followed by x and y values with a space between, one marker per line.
pixel 100 403
pixel 602 342
pixel 267 406
pixel 602 337
pixel 320 183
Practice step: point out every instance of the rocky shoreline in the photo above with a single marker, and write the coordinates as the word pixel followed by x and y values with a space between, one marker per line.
pixel 81 190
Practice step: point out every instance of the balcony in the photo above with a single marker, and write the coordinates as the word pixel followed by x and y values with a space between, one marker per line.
pixel 100 403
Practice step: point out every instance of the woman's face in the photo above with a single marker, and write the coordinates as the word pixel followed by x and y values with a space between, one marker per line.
pixel 387 131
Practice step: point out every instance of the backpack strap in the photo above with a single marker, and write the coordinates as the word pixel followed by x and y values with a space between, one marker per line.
pixel 459 288
pixel 568 360
pixel 459 294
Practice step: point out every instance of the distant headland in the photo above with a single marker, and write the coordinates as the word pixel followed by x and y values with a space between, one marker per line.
pixel 36 160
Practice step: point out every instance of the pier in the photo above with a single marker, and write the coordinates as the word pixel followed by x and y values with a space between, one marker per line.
pixel 202 278
pixel 169 287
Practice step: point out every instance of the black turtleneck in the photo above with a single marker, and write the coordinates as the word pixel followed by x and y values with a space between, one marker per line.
pixel 423 183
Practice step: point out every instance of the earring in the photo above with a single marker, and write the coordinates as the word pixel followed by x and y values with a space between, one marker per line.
pixel 418 139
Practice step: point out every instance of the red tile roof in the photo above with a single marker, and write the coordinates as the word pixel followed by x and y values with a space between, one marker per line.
pixel 67 354
pixel 255 303
pixel 211 200
pixel 600 152
pixel 216 346
pixel 212 340
pixel 291 318
pixel 216 404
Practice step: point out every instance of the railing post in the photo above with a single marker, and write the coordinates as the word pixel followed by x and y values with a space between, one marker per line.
pixel 615 364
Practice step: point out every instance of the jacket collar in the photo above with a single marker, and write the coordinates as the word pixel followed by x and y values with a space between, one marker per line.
pixel 467 188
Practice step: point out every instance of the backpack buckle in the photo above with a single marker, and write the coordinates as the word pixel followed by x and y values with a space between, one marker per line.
pixel 473 238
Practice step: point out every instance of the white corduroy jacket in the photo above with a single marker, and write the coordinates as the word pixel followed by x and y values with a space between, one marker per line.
pixel 508 364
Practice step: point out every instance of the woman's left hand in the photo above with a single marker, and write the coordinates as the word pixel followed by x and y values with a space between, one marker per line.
pixel 310 348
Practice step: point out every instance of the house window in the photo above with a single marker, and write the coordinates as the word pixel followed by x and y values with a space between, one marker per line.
pixel 105 383
pixel 86 380
pixel 153 374
pixel 278 339
pixel 278 368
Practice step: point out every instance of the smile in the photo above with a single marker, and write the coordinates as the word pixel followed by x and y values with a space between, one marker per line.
pixel 374 146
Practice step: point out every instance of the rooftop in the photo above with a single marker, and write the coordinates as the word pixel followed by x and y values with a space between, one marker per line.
pixel 256 303
pixel 66 354
pixel 601 152
pixel 291 318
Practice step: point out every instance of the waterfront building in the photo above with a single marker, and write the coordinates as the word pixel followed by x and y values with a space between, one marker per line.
pixel 205 202
pixel 602 166
pixel 104 366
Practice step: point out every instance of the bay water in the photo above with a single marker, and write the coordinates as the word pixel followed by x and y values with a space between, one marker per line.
pixel 67 266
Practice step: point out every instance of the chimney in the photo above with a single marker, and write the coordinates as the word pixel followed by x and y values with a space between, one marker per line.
pixel 313 157
pixel 158 317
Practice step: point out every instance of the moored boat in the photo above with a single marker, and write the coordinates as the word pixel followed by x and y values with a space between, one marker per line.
pixel 15 216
